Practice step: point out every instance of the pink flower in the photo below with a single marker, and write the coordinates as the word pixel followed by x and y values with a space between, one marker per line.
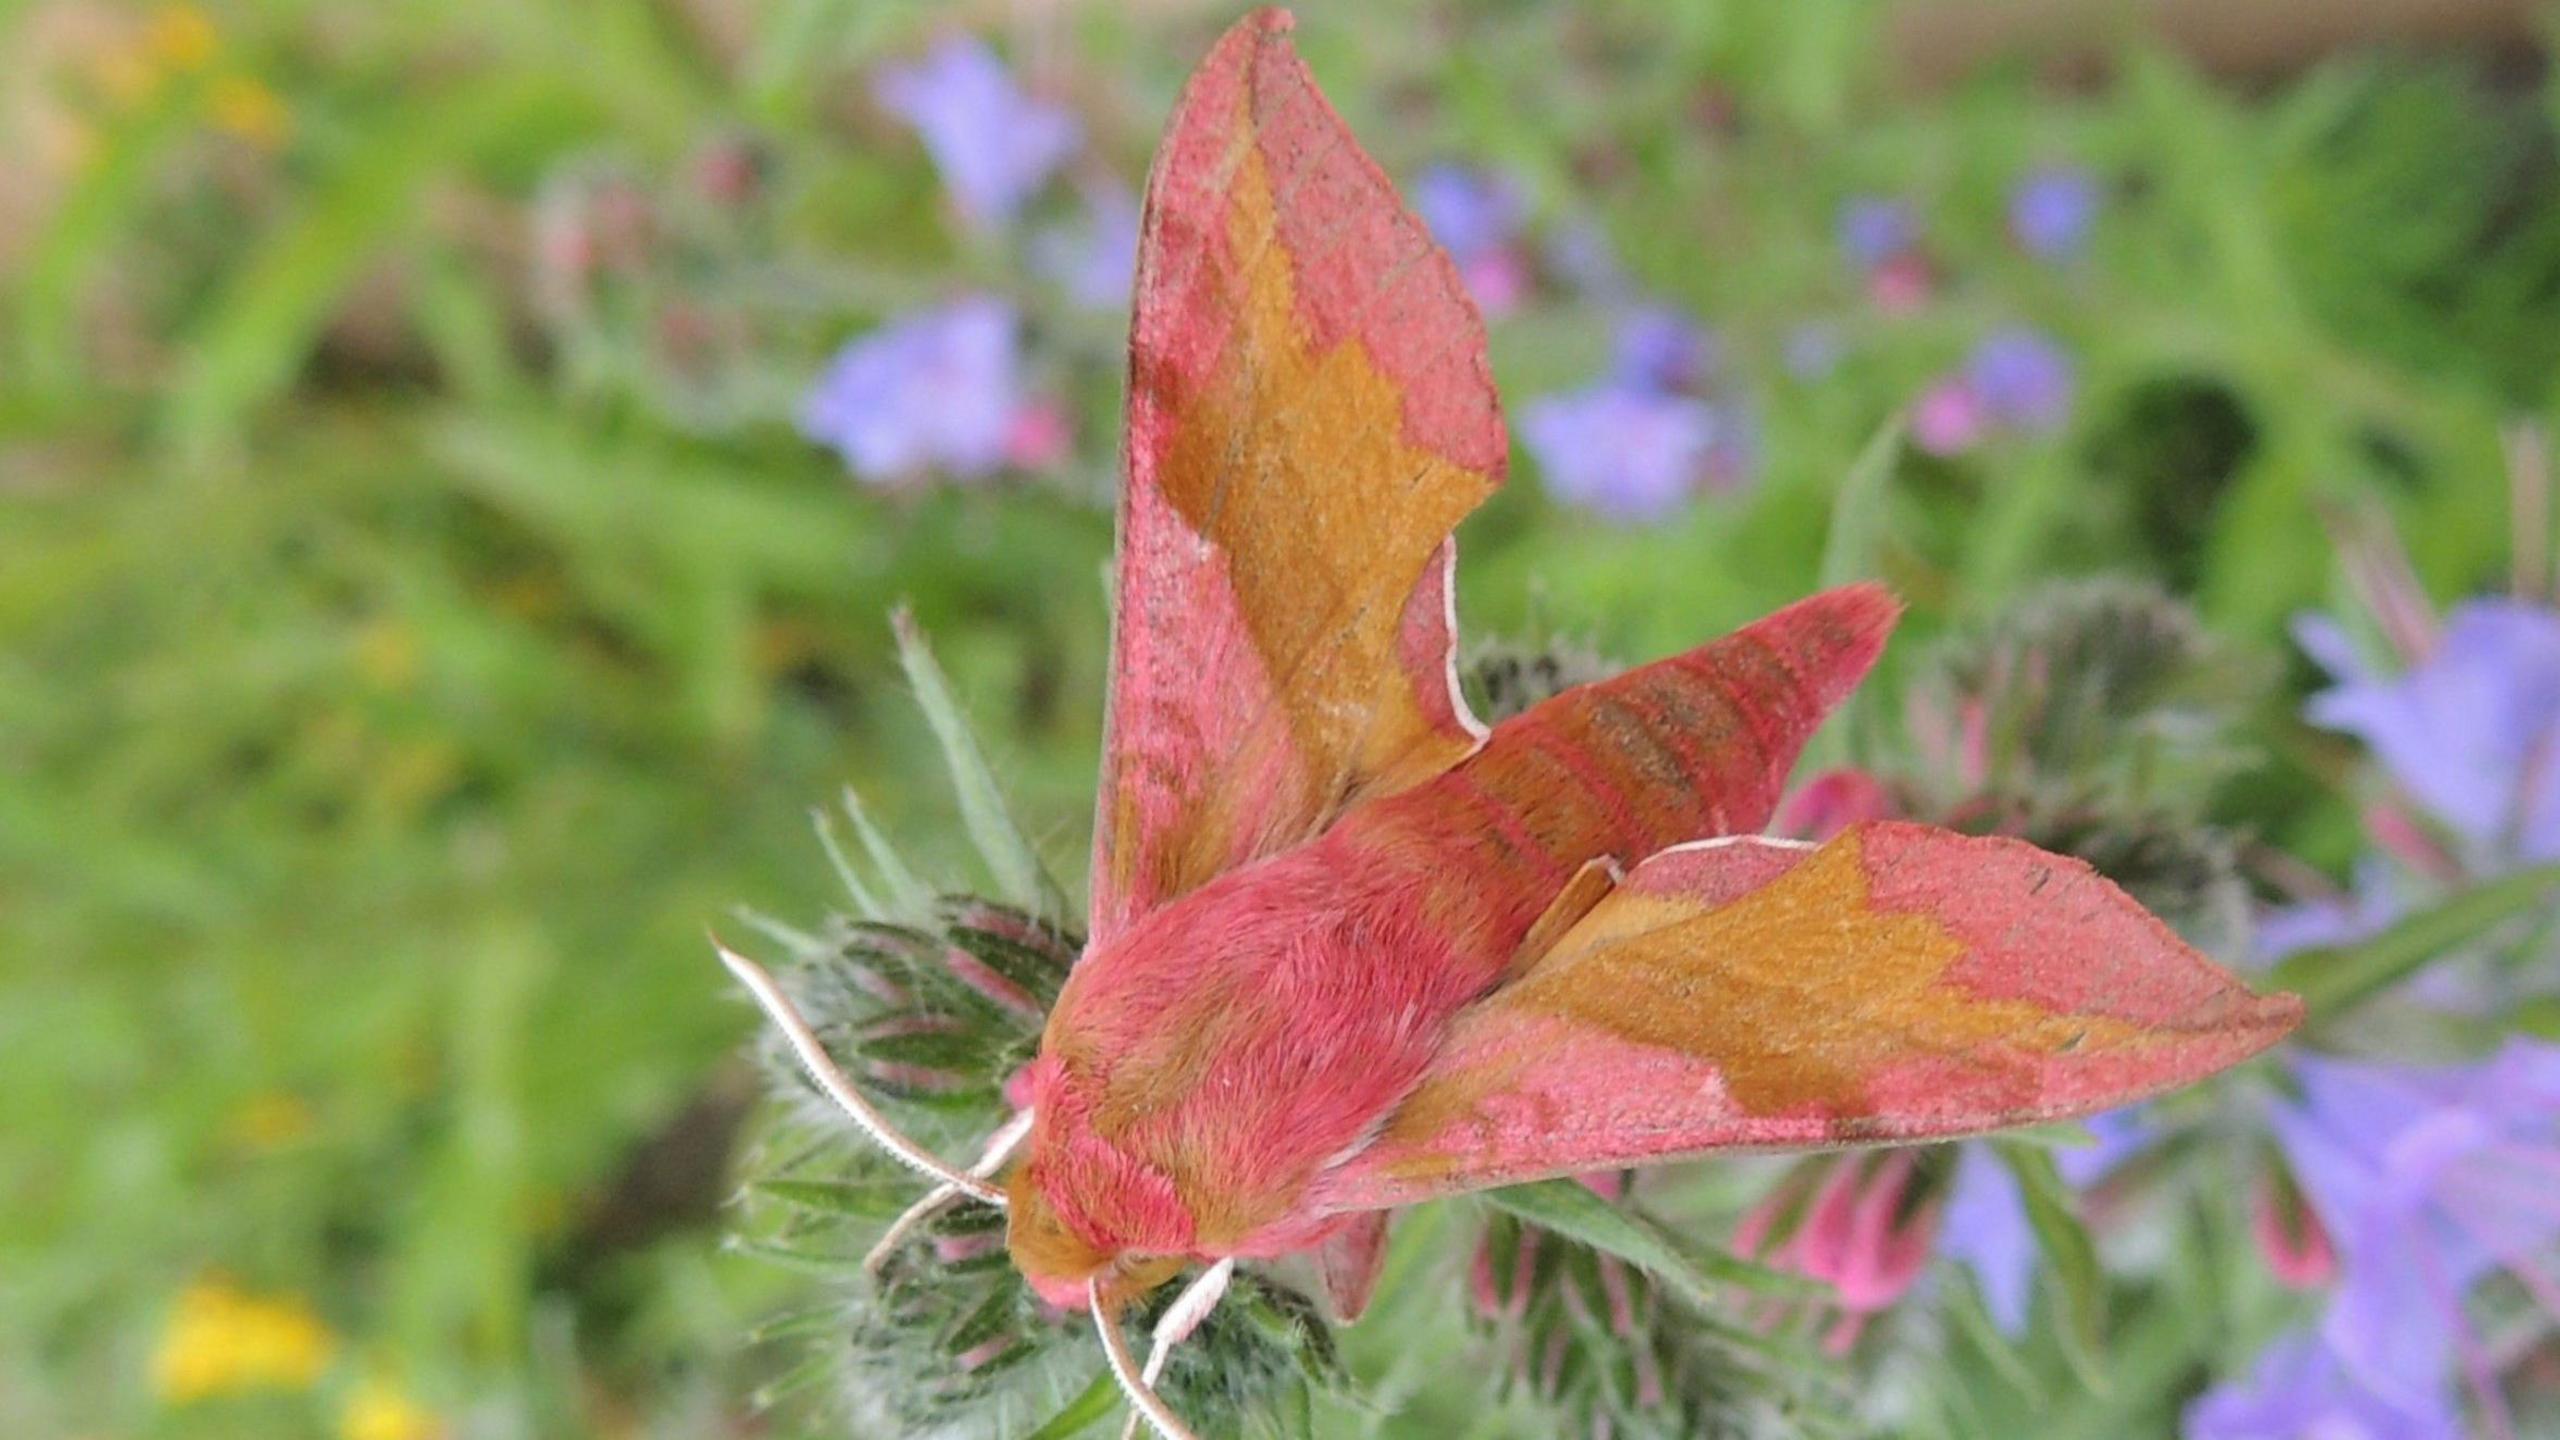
pixel 1039 437
pixel 1901 285
pixel 1860 1235
pixel 2289 1233
pixel 1832 802
pixel 1947 419
pixel 1499 281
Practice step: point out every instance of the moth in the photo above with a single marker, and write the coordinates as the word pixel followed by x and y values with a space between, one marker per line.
pixel 1349 950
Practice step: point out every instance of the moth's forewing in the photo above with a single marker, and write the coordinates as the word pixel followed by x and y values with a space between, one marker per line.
pixel 1899 983
pixel 1311 412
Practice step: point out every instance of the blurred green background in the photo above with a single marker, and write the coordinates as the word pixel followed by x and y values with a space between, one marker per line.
pixel 400 666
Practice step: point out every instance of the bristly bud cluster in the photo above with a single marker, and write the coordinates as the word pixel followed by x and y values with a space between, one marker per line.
pixel 1506 678
pixel 932 1003
pixel 1615 1354
pixel 2083 693
pixel 930 1014
pixel 940 1014
pixel 2093 718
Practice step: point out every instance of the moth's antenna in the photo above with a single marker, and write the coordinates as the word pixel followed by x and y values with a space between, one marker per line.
pixel 1000 1148
pixel 813 1058
pixel 1181 1318
pixel 1142 1395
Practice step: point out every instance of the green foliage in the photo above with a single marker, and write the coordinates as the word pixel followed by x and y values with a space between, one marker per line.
pixel 1586 1311
pixel 2071 1257
pixel 404 652
pixel 2334 979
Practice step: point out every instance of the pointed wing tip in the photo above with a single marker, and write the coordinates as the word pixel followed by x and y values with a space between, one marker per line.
pixel 2253 1025
pixel 1867 604
pixel 2268 1019
pixel 1268 24
pixel 1861 607
pixel 1833 638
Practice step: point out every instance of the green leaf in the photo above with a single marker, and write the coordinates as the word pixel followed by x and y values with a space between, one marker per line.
pixel 1036 974
pixel 1020 878
pixel 79 241
pixel 272 308
pixel 1096 1401
pixel 1858 513
pixel 2336 978
pixel 1571 1210
pixel 993 1317
pixel 863 900
pixel 813 1262
pixel 1293 1411
pixel 908 896
pixel 1973 1321
pixel 2538 1017
pixel 858 1199
pixel 927 1049
pixel 2080 1286
pixel 2054 1135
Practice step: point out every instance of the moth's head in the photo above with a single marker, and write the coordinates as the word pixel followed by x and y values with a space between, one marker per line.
pixel 1080 1209
pixel 1062 1260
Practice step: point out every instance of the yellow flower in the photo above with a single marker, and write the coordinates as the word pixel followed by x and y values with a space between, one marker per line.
pixel 128 77
pixel 222 1341
pixel 386 653
pixel 244 106
pixel 181 37
pixel 270 1121
pixel 381 1410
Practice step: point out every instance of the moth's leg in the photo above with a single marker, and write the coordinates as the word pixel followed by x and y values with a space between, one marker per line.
pixel 1000 1148
pixel 1190 1308
pixel 1181 1318
pixel 813 1058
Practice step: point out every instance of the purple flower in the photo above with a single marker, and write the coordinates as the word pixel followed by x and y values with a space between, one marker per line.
pixel 2022 379
pixel 2471 732
pixel 2360 914
pixel 1094 259
pixel 1470 212
pixel 938 390
pixel 1986 1231
pixel 1986 1227
pixel 1874 229
pixel 2428 1179
pixel 1660 349
pixel 2051 212
pixel 2299 1391
pixel 993 144
pixel 1476 216
pixel 1625 452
